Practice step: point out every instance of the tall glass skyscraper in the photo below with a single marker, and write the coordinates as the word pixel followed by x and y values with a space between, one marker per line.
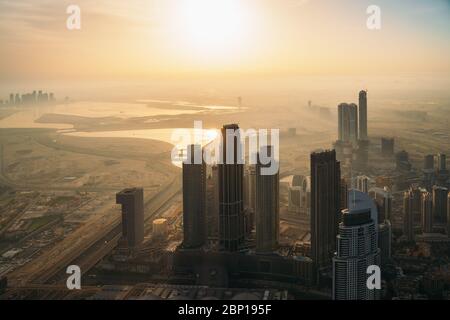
pixel 357 249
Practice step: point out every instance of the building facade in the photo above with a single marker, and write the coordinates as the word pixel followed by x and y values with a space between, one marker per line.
pixel 132 201
pixel 357 249
pixel 231 190
pixel 325 206
pixel 194 198
pixel 267 207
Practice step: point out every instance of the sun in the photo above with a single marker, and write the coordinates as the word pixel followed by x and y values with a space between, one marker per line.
pixel 210 25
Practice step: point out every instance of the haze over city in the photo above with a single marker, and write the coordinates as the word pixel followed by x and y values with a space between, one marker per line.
pixel 89 179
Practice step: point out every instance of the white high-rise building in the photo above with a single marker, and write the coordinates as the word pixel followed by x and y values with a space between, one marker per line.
pixel 357 249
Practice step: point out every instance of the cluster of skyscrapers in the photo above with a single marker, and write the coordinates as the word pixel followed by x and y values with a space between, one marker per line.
pixel 352 120
pixel 423 209
pixel 427 206
pixel 353 141
pixel 244 202
pixel 224 200
pixel 435 175
pixel 35 97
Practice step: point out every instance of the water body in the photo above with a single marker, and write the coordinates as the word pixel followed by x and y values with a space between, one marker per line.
pixel 178 137
pixel 27 117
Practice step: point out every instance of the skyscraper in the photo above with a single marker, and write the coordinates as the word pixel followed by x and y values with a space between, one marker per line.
pixel 325 205
pixel 428 171
pixel 194 198
pixel 442 162
pixel 409 198
pixel 231 203
pixel 353 120
pixel 212 203
pixel 427 212
pixel 448 215
pixel 250 187
pixel 383 200
pixel 132 201
pixel 360 200
pixel 385 241
pixel 442 174
pixel 387 147
pixel 440 203
pixel 428 162
pixel 267 206
pixel 348 122
pixel 357 249
pixel 299 195
pixel 363 115
pixel 344 195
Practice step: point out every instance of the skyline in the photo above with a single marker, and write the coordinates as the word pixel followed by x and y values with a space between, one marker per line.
pixel 154 39
pixel 224 150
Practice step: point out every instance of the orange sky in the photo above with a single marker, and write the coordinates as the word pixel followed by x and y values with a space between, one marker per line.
pixel 138 38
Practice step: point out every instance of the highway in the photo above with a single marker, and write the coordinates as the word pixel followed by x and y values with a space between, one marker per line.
pixel 85 243
pixel 103 246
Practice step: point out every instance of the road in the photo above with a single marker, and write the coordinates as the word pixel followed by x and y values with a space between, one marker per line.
pixel 81 241
pixel 103 246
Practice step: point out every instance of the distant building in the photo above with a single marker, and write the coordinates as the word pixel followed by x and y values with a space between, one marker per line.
pixel 440 203
pixel 294 199
pixel 357 249
pixel 362 183
pixel 360 200
pixel 231 184
pixel 363 115
pixel 429 176
pixel 212 203
pixel 194 198
pixel 292 132
pixel 344 194
pixel 325 206
pixel 267 207
pixel 411 200
pixel 387 147
pixel 348 123
pixel 132 201
pixel 442 174
pixel 299 195
pixel 383 201
pixel 160 228
pixel 250 187
pixel 427 213
pixel 442 162
pixel 361 158
pixel 385 241
pixel 402 161
pixel 428 162
pixel 448 215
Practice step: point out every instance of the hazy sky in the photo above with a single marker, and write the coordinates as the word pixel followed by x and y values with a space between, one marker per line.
pixel 151 38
